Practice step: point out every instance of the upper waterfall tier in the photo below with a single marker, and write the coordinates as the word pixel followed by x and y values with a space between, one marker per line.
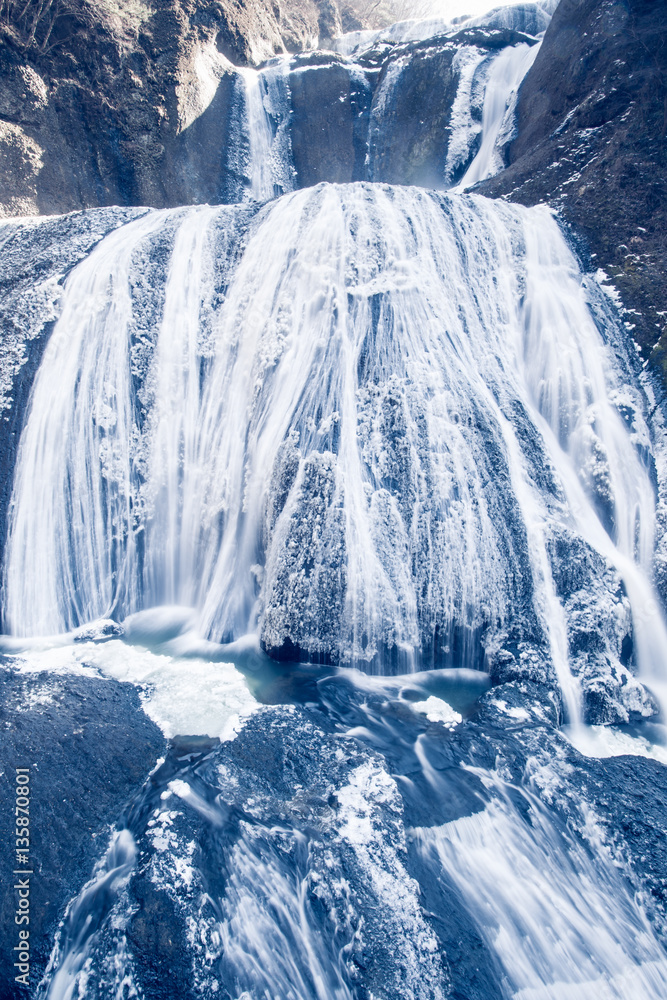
pixel 428 103
pixel 197 124
pixel 377 425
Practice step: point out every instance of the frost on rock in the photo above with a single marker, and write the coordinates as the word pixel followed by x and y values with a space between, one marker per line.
pixel 278 863
pixel 465 122
pixel 371 424
pixel 37 254
pixel 600 634
pixel 305 580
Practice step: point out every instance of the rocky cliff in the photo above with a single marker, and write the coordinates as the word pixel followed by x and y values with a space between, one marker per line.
pixel 150 106
pixel 132 103
pixel 591 141
pixel 96 99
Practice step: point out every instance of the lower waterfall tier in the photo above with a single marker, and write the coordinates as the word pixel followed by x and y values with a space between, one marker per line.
pixel 377 426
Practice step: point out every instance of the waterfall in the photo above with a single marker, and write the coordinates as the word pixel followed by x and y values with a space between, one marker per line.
pixel 72 507
pixel 87 914
pixel 312 436
pixel 344 122
pixel 561 927
pixel 351 421
pixel 266 109
pixel 505 76
pixel 173 471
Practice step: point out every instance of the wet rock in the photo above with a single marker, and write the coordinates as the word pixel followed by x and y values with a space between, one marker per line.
pixel 306 577
pixel 312 842
pixel 287 817
pixel 591 142
pixel 88 746
pixel 100 631
pixel 410 119
pixel 329 123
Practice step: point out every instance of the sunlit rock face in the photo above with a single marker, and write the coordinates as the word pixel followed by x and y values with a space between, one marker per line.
pixel 164 98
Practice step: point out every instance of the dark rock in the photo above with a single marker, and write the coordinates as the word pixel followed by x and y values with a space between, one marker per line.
pixel 306 580
pixel 88 746
pixel 409 127
pixel 591 141
pixel 329 123
pixel 629 799
pixel 272 805
pixel 331 813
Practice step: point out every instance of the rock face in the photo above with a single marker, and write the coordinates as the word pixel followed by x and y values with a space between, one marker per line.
pixel 389 112
pixel 592 142
pixel 93 112
pixel 319 849
pixel 148 107
pixel 88 745
pixel 95 99
pixel 93 118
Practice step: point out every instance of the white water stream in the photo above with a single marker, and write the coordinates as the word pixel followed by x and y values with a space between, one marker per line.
pixel 266 113
pixel 500 97
pixel 562 926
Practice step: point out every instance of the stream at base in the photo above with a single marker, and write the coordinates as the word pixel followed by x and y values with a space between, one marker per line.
pixel 322 833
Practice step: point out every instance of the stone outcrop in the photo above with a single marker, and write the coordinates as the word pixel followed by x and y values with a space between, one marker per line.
pixel 591 141
pixel 88 746
pixel 148 108
pixel 97 101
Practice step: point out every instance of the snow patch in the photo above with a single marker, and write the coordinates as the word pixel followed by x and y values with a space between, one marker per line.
pixel 191 697
pixel 437 710
pixel 608 741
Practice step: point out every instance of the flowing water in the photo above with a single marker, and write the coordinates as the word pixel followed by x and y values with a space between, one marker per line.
pixel 505 75
pixel 411 357
pixel 393 438
pixel 386 850
pixel 265 100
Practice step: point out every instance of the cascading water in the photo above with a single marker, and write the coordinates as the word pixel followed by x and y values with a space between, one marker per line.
pixel 358 869
pixel 336 116
pixel 265 112
pixel 96 420
pixel 501 90
pixel 381 377
pixel 366 429
pixel 526 907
